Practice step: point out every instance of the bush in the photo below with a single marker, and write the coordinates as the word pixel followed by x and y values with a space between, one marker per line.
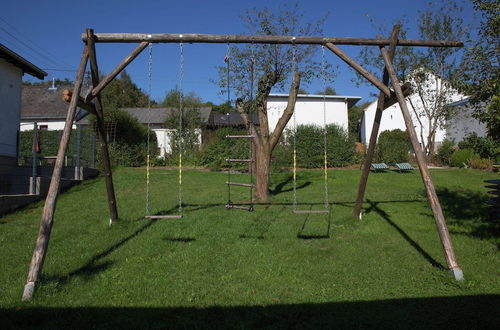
pixel 392 147
pixel 463 156
pixel 481 163
pixel 218 148
pixel 485 147
pixel 310 146
pixel 445 151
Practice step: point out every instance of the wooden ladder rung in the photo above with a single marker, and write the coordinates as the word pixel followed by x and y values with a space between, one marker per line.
pixel 239 207
pixel 239 136
pixel 311 211
pixel 163 216
pixel 240 184
pixel 239 160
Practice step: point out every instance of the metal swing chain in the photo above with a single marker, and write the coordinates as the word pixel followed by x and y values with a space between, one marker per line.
pixel 228 117
pixel 323 70
pixel 294 68
pixel 251 165
pixel 148 192
pixel 180 135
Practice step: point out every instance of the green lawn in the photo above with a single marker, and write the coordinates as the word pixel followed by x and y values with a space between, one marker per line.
pixel 266 269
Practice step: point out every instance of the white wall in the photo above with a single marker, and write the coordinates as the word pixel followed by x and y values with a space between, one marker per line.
pixel 10 107
pixel 392 118
pixel 463 124
pixel 51 125
pixel 163 139
pixel 309 111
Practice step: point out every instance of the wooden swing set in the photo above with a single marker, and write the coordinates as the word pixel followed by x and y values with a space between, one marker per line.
pixel 92 103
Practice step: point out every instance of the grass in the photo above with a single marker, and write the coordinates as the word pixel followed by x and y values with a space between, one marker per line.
pixel 266 269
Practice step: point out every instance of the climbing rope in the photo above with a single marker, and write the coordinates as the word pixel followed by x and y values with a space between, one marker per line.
pixel 148 157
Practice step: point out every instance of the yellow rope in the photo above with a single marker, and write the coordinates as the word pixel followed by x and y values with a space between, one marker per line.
pixel 326 167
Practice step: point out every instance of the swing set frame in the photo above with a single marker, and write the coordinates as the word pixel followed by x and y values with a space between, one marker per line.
pixel 92 103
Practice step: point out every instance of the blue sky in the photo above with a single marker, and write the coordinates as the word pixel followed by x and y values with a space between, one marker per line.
pixel 52 30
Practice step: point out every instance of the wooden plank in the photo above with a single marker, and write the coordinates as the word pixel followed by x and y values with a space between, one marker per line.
pixel 108 177
pixel 263 39
pixel 362 71
pixel 240 184
pixel 239 207
pixel 424 171
pixel 311 211
pixel 239 160
pixel 47 219
pixel 407 91
pixel 374 134
pixel 240 136
pixel 153 217
pixel 112 75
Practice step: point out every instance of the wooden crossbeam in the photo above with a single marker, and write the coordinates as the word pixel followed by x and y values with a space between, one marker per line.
pixel 393 99
pixel 262 39
pixel 239 160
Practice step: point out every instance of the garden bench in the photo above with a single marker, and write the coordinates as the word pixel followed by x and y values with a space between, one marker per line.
pixel 403 167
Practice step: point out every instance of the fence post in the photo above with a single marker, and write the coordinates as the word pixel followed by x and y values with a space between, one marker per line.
pixel 33 159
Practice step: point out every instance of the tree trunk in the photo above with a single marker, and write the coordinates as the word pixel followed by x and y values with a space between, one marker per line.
pixel 262 162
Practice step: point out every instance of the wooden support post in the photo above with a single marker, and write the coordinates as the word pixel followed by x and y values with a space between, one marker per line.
pixel 112 75
pixel 46 221
pixel 108 177
pixel 362 71
pixel 424 171
pixel 374 134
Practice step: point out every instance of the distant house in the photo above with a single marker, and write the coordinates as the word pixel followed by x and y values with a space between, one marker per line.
pixel 231 119
pixel 392 118
pixel 12 68
pixel 309 109
pixel 44 105
pixel 463 123
pixel 157 120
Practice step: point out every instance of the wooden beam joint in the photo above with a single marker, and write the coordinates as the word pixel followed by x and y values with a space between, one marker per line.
pixel 80 103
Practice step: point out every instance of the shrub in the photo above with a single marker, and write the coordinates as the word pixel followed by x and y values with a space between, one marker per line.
pixel 392 147
pixel 481 163
pixel 485 147
pixel 463 156
pixel 445 151
pixel 218 148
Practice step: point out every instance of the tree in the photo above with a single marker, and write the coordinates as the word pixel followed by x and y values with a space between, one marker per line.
pixel 273 64
pixel 354 116
pixel 327 91
pixel 481 68
pixel 190 100
pixel 123 92
pixel 431 71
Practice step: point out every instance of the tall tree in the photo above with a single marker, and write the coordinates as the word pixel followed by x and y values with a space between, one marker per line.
pixel 272 67
pixel 430 70
pixel 481 67
pixel 123 92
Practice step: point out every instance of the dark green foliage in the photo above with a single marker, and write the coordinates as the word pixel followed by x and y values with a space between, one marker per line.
pixel 486 147
pixel 218 148
pixel 310 146
pixel 445 151
pixel 392 147
pixel 122 93
pixel 49 144
pixel 355 113
pixel 463 156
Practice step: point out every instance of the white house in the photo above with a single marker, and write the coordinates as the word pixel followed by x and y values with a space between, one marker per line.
pixel 309 109
pixel 392 118
pixel 463 123
pixel 12 68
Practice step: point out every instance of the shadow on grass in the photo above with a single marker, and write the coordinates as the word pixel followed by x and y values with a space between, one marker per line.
pixel 466 210
pixel 457 312
pixel 278 189
pixel 94 266
pixel 179 239
pixel 375 208
pixel 307 217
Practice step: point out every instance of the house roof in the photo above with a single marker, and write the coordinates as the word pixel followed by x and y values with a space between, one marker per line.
pixel 38 102
pixel 459 102
pixel 351 100
pixel 19 61
pixel 159 115
pixel 234 119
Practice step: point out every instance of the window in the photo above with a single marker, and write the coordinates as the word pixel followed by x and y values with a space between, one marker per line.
pixel 43 127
